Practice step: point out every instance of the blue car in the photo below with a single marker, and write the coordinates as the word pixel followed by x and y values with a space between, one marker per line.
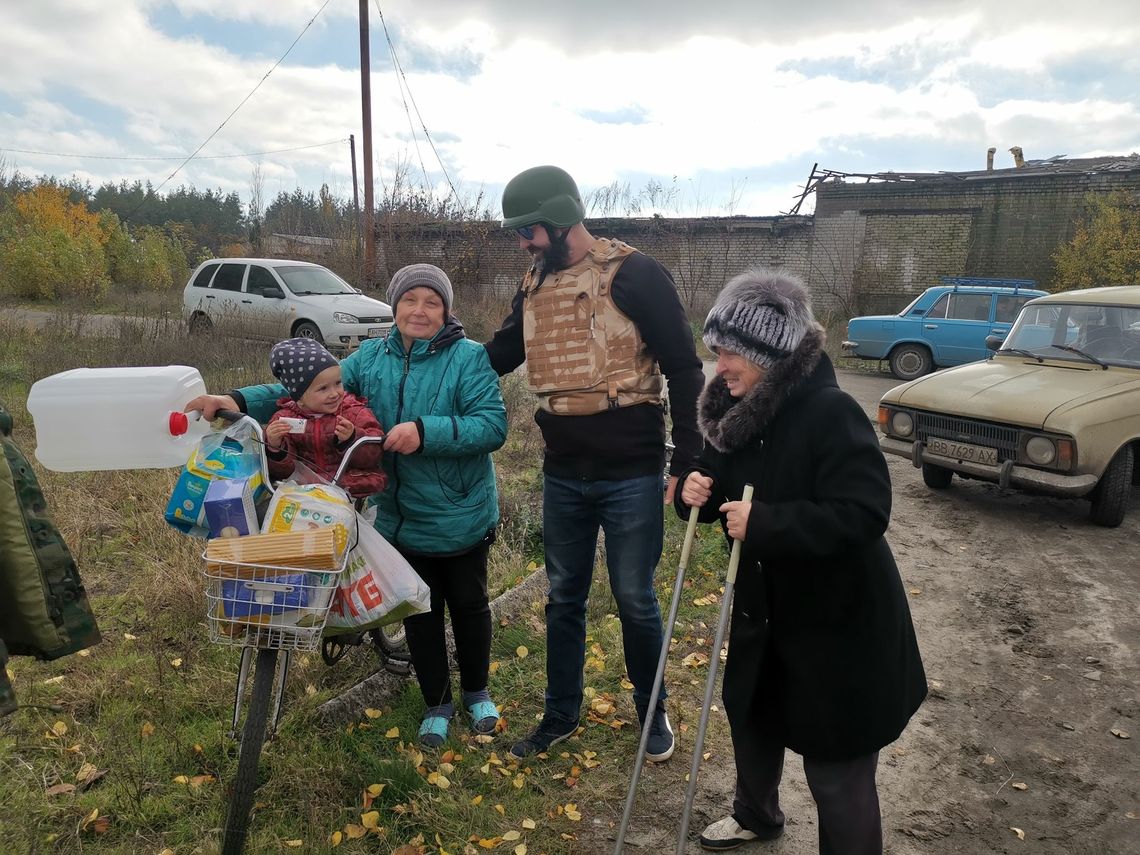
pixel 945 325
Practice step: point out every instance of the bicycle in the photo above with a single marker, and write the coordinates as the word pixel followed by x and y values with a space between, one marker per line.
pixel 272 609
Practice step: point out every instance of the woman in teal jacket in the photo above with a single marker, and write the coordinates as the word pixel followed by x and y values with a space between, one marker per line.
pixel 437 396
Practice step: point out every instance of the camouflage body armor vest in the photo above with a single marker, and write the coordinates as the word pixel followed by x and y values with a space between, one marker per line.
pixel 583 355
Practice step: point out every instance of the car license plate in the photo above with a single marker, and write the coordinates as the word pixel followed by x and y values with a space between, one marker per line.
pixel 963 451
pixel 375 332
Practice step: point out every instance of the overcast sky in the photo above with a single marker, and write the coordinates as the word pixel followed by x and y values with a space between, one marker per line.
pixel 727 103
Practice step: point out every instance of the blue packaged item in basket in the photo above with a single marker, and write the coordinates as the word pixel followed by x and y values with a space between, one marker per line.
pixel 290 599
pixel 219 456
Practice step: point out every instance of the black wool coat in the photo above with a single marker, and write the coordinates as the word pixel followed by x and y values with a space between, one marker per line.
pixel 822 652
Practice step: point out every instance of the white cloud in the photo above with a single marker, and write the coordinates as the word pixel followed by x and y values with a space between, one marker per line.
pixel 711 93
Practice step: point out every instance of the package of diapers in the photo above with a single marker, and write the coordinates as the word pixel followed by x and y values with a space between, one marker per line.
pixel 297 507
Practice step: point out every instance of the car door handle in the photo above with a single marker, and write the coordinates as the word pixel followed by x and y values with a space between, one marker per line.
pixel 998 331
pixel 250 302
pixel 209 296
pixel 930 326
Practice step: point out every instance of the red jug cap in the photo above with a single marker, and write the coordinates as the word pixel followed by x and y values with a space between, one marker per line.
pixel 179 424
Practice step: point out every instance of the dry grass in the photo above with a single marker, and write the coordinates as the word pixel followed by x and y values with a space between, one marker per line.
pixel 152 702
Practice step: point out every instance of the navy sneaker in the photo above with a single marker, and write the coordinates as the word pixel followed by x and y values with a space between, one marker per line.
pixel 549 732
pixel 661 743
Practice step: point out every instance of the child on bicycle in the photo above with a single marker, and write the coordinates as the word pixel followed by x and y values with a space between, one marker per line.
pixel 318 421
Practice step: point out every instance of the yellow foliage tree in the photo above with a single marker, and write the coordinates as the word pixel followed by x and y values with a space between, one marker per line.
pixel 1106 247
pixel 51 247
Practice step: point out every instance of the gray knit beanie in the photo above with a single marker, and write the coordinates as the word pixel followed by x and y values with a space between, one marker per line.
pixel 421 276
pixel 762 315
pixel 296 362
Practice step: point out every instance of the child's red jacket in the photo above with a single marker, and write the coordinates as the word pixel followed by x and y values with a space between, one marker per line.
pixel 319 449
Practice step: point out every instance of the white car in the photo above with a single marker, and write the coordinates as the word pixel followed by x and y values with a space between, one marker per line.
pixel 275 299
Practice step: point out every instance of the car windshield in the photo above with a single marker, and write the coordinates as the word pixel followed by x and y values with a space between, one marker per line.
pixel 303 281
pixel 1078 332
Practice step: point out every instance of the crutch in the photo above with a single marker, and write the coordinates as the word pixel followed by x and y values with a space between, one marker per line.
pixel 710 684
pixel 690 530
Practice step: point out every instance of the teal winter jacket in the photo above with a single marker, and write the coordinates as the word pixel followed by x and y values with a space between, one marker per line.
pixel 442 499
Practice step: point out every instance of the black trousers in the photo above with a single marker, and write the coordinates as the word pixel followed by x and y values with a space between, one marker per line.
pixel 460 583
pixel 846 799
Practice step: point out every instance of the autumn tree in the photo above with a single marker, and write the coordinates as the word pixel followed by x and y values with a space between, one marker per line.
pixel 51 247
pixel 1106 247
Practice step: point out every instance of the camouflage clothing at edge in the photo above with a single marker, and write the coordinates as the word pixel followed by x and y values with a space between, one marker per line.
pixel 43 607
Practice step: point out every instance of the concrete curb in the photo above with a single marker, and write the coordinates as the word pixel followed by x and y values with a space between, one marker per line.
pixel 377 689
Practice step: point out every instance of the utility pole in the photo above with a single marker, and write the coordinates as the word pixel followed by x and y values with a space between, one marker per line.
pixel 366 115
pixel 355 190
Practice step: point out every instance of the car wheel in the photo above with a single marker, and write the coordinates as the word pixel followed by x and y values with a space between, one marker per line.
pixel 936 477
pixel 910 360
pixel 1111 496
pixel 200 324
pixel 305 329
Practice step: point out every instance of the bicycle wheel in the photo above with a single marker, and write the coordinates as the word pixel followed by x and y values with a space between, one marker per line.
pixel 249 753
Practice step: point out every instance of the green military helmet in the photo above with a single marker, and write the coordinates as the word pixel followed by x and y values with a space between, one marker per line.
pixel 542 194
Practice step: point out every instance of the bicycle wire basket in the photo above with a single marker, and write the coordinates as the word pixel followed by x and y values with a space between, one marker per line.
pixel 268 606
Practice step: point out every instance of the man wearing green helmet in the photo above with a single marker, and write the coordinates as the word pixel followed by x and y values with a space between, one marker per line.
pixel 598 323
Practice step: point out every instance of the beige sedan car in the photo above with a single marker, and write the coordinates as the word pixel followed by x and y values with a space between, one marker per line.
pixel 1055 409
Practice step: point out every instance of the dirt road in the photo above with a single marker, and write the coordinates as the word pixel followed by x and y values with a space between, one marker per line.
pixel 1029 621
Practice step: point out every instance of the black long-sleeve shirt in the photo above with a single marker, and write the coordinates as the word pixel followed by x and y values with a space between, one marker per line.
pixel 629 441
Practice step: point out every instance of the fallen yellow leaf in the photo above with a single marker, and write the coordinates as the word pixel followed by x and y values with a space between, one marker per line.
pixel 372 713
pixel 176 663
pixel 147 729
pixel 370 819
pixel 501 810
pixel 354 832
pixel 478 800
pixel 376 789
pixel 522 652
pixel 529 824
pixel 294 844
pixel 511 835
pixel 128 637
pixel 181 779
pixel 520 849
pixel 335 838
pixel 59 729
pixel 393 733
pixel 494 667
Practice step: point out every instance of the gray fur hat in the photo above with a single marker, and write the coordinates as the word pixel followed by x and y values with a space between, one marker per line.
pixel 296 362
pixel 762 315
pixel 421 276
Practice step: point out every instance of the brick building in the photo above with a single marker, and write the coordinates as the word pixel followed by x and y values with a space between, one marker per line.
pixel 873 242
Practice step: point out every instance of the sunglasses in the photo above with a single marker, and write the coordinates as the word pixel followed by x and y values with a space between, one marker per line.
pixel 525 232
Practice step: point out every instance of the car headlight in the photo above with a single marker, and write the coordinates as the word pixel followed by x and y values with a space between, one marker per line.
pixel 345 318
pixel 902 424
pixel 1041 450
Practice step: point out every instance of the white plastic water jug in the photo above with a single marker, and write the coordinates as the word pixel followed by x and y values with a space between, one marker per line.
pixel 116 418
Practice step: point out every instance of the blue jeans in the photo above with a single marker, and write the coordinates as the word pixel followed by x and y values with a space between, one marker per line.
pixel 631 514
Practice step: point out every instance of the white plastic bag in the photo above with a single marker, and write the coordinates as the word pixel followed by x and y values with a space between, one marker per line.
pixel 377 588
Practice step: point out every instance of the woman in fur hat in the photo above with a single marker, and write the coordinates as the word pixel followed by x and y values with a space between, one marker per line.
pixel 822 653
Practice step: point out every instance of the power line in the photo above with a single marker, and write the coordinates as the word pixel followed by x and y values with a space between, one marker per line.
pixel 235 109
pixel 167 157
pixel 423 124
